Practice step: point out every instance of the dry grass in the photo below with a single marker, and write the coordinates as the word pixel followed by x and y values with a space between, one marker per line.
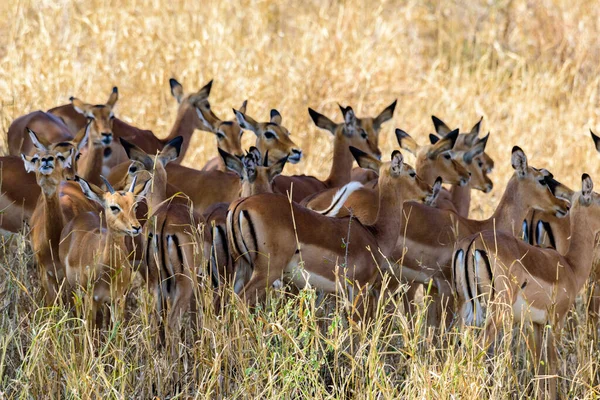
pixel 530 68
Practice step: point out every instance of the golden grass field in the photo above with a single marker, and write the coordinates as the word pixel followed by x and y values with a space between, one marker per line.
pixel 530 68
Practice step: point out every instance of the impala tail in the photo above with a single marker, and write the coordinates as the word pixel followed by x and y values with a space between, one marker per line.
pixel 338 200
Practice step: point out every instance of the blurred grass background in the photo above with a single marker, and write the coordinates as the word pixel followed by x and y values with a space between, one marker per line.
pixel 530 68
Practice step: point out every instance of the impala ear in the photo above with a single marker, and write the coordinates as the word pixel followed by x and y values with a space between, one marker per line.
pixel 232 163
pixel 596 140
pixel 322 121
pixel 397 163
pixel 365 160
pixel 90 190
pixel 255 154
pixel 176 89
pixel 384 116
pixel 67 156
pixel 137 154
pixel 349 116
pixel 29 162
pixel 171 151
pixel 81 107
pixel 476 150
pixel 205 91
pixel 440 126
pixel 472 136
pixel 246 122
pixel 82 137
pixel 443 145
pixel 433 139
pixel 435 192
pixel 36 141
pixel 211 126
pixel 244 106
pixel 276 117
pixel 406 141
pixel 587 186
pixel 519 161
pixel 276 168
pixel 112 99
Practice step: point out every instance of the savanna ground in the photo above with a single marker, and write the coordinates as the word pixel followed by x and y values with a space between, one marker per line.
pixel 530 68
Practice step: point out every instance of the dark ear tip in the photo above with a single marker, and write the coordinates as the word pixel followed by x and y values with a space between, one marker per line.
pixel 438 181
pixel 356 152
pixel 71 98
pixel 115 89
pixel 585 176
pixel 396 153
pixel 433 139
pixel 516 148
pixel 173 82
pixel 453 135
pixel 400 133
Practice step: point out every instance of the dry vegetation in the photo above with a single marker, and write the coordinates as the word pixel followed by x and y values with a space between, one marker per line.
pixel 530 68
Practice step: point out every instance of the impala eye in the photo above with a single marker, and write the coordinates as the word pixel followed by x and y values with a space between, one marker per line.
pixel 60 158
pixel 34 159
pixel 269 135
pixel 480 164
pixel 77 156
pixel 363 134
pixel 542 182
pixel 447 156
pixel 220 136
pixel 115 209
pixel 412 174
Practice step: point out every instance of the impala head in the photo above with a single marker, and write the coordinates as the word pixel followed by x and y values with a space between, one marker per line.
pixel 48 162
pixel 271 137
pixel 372 126
pixel 146 167
pixel 257 176
pixel 100 115
pixel 228 133
pixel 465 141
pixel 350 132
pixel 533 186
pixel 119 206
pixel 396 172
pixel 191 103
pixel 471 159
pixel 436 159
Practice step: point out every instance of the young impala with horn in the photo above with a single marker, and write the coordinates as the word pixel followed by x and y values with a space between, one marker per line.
pixel 495 269
pixel 175 250
pixel 92 247
pixel 277 237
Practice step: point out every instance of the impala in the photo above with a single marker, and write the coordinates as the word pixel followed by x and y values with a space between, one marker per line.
pixel 345 134
pixel 172 238
pixel 458 199
pixel 277 237
pixel 92 247
pixel 494 269
pixel 371 126
pixel 228 134
pixel 257 177
pixel 47 219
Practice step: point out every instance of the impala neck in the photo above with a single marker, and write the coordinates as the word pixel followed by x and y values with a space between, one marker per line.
pixel 113 254
pixel 184 126
pixel 389 216
pixel 511 210
pixel 53 217
pixel 341 166
pixel 158 190
pixel 91 167
pixel 461 198
pixel 581 247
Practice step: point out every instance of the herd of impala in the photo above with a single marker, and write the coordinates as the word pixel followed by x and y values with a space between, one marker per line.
pixel 239 221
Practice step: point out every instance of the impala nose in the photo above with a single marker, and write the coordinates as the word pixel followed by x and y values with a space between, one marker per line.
pixel 488 187
pixel 296 156
pixel 136 230
pixel 107 138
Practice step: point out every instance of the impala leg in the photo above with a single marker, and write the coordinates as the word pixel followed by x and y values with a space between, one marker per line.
pixel 181 303
pixel 594 305
pixel 545 361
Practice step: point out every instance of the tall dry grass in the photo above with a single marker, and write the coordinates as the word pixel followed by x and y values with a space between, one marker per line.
pixel 530 68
